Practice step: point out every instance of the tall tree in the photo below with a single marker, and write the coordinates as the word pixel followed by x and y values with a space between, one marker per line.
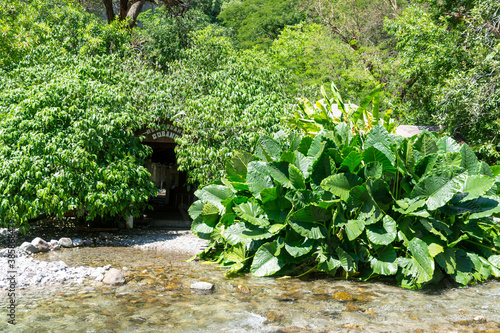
pixel 130 9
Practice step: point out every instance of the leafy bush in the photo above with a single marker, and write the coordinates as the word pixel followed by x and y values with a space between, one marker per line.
pixel 223 99
pixel 449 70
pixel 167 37
pixel 417 209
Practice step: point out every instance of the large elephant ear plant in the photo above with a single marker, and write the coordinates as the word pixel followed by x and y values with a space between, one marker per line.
pixel 376 205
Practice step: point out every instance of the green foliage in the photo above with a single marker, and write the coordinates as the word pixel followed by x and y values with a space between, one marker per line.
pixel 315 58
pixel 450 65
pixel 70 102
pixel 328 112
pixel 258 22
pixel 40 28
pixel 224 99
pixel 164 38
pixel 367 205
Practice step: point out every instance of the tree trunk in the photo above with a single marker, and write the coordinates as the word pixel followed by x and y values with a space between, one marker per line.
pixel 110 14
pixel 134 11
pixel 123 9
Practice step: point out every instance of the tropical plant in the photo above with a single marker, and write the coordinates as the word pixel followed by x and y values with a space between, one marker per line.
pixel 354 205
pixel 326 113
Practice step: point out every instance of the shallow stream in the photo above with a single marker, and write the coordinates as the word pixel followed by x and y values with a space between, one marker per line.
pixel 157 298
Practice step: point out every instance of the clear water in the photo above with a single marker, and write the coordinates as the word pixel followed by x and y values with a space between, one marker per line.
pixel 157 298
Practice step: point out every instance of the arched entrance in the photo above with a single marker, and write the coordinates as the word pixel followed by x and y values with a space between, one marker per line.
pixel 173 197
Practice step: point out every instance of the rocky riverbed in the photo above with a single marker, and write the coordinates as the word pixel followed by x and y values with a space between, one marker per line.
pixel 29 271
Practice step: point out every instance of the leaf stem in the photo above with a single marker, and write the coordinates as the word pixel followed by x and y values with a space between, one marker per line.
pixel 313 268
pixel 482 245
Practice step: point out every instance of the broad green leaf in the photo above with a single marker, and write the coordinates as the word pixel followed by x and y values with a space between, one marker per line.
pixel 201 229
pixel 354 228
pixel 275 228
pixel 495 169
pixel 435 249
pixel 275 204
pixel 373 170
pixel 409 205
pixel 316 149
pixel 270 149
pixel 372 154
pixel 469 160
pixel 215 194
pixel 423 265
pixel 265 263
pixel 303 163
pixel 424 145
pixel 305 144
pixel 252 213
pixel 385 262
pixel 384 235
pixel 254 232
pixel 258 178
pixel 361 201
pixel 485 169
pixel 479 207
pixel 447 145
pixel 346 260
pixel 236 167
pixel 302 198
pixel 341 184
pixel 446 260
pixel 297 245
pixel 210 214
pixel 309 229
pixel 438 188
pixel 296 178
pixel 379 134
pixel 380 192
pixel 233 234
pixel 352 161
pixel 196 209
pixel 477 185
pixel 279 172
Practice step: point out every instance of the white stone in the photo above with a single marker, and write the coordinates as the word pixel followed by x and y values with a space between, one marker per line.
pixel 28 247
pixel 205 286
pixel 66 242
pixel 114 277
pixel 42 245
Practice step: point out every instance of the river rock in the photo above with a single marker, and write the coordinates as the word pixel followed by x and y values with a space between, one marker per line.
pixel 42 245
pixel 77 242
pixel 202 286
pixel 87 242
pixel 114 277
pixel 66 242
pixel 28 247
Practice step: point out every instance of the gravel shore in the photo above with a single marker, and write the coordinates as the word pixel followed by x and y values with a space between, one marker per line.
pixel 30 272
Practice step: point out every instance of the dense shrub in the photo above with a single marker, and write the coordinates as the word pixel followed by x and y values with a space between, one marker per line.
pixel 417 209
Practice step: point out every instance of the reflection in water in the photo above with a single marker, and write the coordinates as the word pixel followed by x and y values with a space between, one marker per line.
pixel 157 298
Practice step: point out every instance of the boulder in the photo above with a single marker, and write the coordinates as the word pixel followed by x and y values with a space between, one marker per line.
pixel 410 130
pixel 42 245
pixel 114 277
pixel 28 247
pixel 66 242
pixel 77 242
